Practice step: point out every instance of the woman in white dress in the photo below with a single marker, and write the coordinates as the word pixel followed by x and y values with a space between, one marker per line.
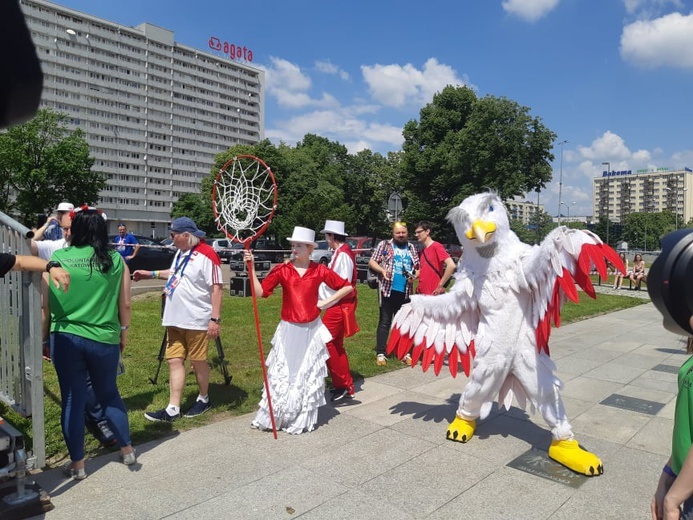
pixel 296 365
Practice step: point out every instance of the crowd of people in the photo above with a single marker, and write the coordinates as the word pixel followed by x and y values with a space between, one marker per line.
pixel 86 308
pixel 85 331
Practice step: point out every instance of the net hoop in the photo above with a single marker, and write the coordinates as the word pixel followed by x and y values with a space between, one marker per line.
pixel 244 198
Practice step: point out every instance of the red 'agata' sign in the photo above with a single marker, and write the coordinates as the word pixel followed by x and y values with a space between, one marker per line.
pixel 233 51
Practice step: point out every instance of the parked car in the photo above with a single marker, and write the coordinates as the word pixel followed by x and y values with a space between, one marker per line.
pixel 263 249
pixel 225 248
pixel 152 255
pixel 321 254
pixel 361 246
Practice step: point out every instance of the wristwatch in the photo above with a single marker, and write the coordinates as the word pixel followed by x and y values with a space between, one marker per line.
pixel 216 320
pixel 50 265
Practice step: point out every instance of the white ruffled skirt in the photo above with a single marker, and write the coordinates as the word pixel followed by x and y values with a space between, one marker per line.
pixel 296 372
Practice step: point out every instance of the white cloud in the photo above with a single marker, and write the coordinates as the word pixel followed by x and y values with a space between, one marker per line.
pixel 286 75
pixel 608 147
pixel 327 67
pixel 645 8
pixel 529 10
pixel 341 125
pixel 396 85
pixel 665 41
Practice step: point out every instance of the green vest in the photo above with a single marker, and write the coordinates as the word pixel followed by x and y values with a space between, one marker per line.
pixel 90 307
pixel 683 434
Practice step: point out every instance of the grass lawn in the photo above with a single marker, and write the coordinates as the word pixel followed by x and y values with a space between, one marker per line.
pixel 240 347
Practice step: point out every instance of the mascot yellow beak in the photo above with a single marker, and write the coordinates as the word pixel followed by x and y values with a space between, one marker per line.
pixel 481 230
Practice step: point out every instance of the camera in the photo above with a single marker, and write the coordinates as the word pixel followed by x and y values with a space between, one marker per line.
pixel 670 281
pixel 409 275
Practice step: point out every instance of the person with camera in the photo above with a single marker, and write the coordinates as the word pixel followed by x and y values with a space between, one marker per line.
pixel 673 497
pixel 433 256
pixel 52 227
pixel 396 262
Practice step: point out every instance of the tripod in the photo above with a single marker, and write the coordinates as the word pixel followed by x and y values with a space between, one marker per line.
pixel 223 364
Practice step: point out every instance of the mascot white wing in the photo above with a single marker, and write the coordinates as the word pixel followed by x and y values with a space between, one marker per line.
pixel 437 326
pixel 563 259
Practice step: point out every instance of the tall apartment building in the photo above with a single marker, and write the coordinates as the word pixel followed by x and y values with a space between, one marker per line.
pixel 618 193
pixel 155 112
pixel 522 210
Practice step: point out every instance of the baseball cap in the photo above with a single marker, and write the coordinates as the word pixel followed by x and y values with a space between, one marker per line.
pixel 65 206
pixel 186 225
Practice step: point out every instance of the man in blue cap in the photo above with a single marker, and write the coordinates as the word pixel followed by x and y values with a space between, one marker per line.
pixel 192 314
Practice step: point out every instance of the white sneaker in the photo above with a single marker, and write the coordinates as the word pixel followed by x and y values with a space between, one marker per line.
pixel 381 360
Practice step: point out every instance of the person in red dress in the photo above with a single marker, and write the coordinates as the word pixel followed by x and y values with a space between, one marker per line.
pixel 340 318
pixel 296 365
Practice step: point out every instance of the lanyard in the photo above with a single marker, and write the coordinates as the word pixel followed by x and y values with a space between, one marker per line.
pixel 185 263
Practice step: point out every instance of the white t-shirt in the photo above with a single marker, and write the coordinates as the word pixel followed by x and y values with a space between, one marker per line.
pixel 190 304
pixel 342 265
pixel 47 247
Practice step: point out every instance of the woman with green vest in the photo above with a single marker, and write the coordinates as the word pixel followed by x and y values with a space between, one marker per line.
pixel 88 333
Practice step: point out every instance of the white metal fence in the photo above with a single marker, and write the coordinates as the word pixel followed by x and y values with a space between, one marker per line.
pixel 21 363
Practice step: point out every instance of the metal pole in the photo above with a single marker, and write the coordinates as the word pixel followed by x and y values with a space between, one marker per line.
pixel 560 182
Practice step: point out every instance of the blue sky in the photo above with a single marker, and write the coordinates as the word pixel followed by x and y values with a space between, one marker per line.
pixel 612 77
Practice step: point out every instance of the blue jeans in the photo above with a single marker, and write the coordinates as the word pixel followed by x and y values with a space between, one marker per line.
pixel 75 358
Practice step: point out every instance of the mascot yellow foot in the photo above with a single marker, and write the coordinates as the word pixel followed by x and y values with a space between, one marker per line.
pixel 572 456
pixel 461 430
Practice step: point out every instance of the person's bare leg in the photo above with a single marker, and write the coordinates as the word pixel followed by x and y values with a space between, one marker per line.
pixel 176 377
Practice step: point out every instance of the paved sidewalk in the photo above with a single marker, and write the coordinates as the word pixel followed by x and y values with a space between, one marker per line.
pixel 384 454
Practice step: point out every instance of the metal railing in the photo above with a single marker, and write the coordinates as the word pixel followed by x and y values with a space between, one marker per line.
pixel 21 362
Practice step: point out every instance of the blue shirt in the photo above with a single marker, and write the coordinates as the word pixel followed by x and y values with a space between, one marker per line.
pixel 53 231
pixel 403 262
pixel 122 244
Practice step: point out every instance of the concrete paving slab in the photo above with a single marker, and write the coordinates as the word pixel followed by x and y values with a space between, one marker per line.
pixel 384 454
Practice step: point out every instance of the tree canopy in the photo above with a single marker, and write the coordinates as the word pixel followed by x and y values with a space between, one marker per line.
pixel 462 145
pixel 44 163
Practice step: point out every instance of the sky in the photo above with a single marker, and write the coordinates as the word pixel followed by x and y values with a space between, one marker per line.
pixel 613 78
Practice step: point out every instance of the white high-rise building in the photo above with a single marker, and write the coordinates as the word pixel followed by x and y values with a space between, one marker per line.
pixel 618 193
pixel 155 112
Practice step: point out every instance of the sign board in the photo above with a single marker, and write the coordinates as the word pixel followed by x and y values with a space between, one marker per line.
pixel 394 205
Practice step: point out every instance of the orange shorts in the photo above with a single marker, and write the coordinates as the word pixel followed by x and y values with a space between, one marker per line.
pixel 186 343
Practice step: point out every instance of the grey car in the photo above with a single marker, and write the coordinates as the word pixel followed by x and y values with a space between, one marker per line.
pixel 321 254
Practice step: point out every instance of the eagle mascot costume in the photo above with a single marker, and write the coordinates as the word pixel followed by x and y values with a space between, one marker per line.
pixel 496 320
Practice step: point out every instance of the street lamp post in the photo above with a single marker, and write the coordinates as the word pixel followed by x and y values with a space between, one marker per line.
pixel 608 173
pixel 560 181
pixel 568 207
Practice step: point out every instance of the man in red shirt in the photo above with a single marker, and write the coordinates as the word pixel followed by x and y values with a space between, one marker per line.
pixel 436 265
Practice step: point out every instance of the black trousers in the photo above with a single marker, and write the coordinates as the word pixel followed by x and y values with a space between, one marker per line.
pixel 388 308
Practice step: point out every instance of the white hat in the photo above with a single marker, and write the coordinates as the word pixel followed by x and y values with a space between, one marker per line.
pixel 303 235
pixel 334 226
pixel 65 206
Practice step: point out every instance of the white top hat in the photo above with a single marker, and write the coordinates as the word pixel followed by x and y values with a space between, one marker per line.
pixel 334 226
pixel 65 206
pixel 303 235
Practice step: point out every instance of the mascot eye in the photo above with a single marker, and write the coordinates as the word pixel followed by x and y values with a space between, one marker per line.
pixel 490 208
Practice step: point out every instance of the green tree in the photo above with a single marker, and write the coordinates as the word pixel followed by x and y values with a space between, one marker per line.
pixel 645 230
pixel 199 208
pixel 462 145
pixel 44 163
pixel 540 224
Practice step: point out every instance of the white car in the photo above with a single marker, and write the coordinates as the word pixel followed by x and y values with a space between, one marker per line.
pixel 321 254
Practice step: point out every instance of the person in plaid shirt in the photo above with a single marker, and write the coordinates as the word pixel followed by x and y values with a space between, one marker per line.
pixel 396 263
